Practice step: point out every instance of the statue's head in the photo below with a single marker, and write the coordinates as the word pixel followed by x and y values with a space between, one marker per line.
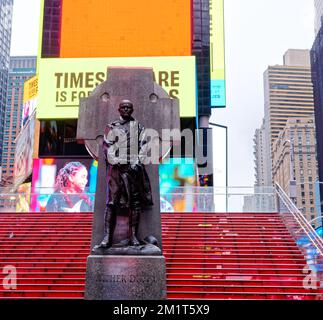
pixel 125 109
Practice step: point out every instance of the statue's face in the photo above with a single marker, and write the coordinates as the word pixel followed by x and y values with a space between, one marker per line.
pixel 125 109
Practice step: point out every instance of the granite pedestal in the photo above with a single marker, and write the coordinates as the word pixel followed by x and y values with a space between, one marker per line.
pixel 125 278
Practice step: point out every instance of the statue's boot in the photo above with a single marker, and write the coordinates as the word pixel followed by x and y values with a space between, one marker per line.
pixel 108 228
pixel 135 214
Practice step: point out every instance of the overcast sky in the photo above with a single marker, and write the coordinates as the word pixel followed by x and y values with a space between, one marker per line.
pixel 258 32
pixel 24 40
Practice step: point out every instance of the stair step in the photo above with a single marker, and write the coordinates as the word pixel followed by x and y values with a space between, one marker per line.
pixel 208 256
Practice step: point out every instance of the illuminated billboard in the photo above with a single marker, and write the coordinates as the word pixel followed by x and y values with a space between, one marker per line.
pixel 177 178
pixel 23 199
pixel 63 185
pixel 24 151
pixel 54 189
pixel 30 98
pixel 127 28
pixel 217 54
pixel 62 82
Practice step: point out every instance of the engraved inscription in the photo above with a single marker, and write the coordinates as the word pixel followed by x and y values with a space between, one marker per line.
pixel 118 278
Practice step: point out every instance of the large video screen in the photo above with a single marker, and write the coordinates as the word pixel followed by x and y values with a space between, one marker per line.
pixel 24 151
pixel 58 138
pixel 217 54
pixel 63 185
pixel 126 28
pixel 30 98
pixel 177 178
pixel 62 82
pixel 68 185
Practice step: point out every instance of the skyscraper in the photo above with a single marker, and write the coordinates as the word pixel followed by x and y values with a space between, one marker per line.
pixel 317 76
pixel 294 160
pixel 21 68
pixel 288 93
pixel 318 14
pixel 262 178
pixel 6 7
pixel 262 200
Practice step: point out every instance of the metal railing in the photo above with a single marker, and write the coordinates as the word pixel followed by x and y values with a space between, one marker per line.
pixel 305 236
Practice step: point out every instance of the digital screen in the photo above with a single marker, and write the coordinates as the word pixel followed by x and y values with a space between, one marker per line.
pixel 23 197
pixel 62 82
pixel 177 178
pixel 49 194
pixel 217 54
pixel 58 138
pixel 63 185
pixel 24 151
pixel 30 98
pixel 127 28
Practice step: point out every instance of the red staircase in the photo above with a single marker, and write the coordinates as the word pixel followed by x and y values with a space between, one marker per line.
pixel 208 256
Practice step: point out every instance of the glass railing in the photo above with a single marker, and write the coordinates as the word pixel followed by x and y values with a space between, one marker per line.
pixel 220 199
pixel 178 199
pixel 46 202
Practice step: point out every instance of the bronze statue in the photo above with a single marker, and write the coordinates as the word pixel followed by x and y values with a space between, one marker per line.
pixel 129 187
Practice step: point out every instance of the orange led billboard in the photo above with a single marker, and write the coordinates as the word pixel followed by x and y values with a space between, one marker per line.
pixel 125 28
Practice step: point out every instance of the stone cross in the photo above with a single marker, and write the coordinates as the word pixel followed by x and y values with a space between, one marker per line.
pixel 153 108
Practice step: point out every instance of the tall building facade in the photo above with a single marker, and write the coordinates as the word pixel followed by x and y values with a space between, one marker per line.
pixel 318 14
pixel 317 77
pixel 6 7
pixel 21 68
pixel 295 165
pixel 261 171
pixel 288 91
pixel 262 200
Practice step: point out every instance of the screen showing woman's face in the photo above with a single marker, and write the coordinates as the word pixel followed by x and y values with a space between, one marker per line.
pixel 79 179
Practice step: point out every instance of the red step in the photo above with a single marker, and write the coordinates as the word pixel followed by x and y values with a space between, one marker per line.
pixel 208 256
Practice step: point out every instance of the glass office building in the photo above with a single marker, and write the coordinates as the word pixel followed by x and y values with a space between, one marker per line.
pixel 6 7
